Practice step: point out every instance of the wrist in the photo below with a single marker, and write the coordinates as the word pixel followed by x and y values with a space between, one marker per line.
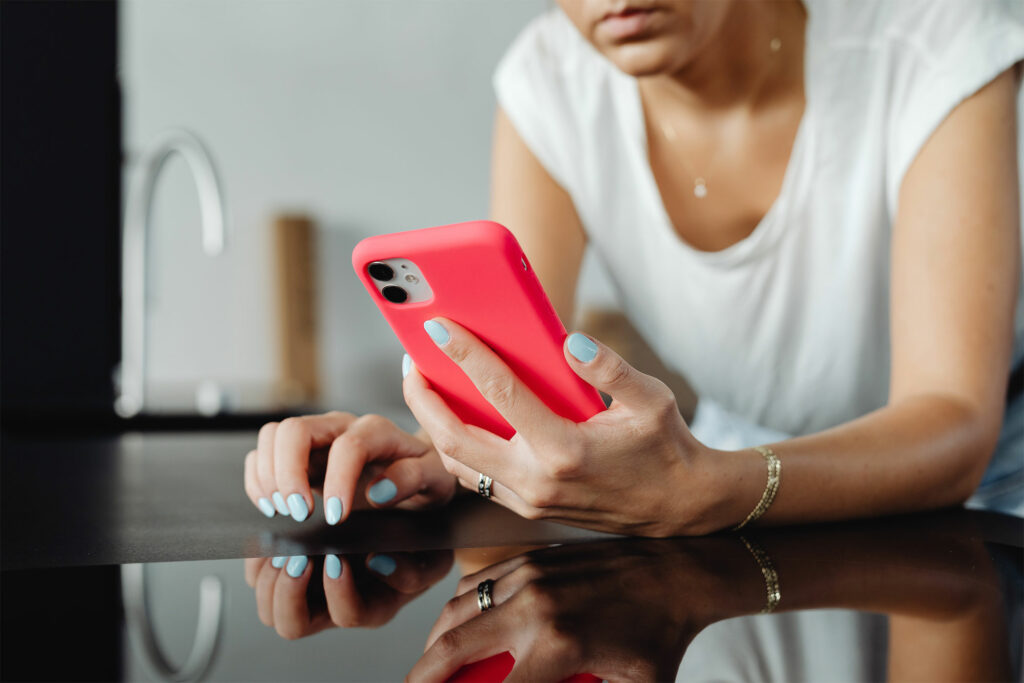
pixel 727 485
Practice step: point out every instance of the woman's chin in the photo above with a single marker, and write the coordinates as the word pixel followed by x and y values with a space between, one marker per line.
pixel 644 58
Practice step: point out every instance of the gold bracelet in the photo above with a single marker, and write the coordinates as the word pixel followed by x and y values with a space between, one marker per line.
pixel 774 474
pixel 771 577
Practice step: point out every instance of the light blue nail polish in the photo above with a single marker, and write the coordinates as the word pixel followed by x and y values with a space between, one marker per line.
pixel 406 364
pixel 279 503
pixel 297 506
pixel 437 332
pixel 266 507
pixel 333 566
pixel 582 347
pixel 383 491
pixel 332 510
pixel 296 566
pixel 278 561
pixel 384 565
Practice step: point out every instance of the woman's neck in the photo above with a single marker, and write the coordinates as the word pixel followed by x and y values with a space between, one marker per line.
pixel 754 57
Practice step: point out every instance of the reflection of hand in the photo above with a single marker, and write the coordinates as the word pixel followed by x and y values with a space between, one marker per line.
pixel 346 454
pixel 634 468
pixel 619 611
pixel 347 591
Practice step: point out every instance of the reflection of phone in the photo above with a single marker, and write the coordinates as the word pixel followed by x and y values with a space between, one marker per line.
pixel 498 667
pixel 476 275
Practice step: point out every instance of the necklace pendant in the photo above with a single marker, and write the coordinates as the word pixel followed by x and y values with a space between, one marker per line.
pixel 700 188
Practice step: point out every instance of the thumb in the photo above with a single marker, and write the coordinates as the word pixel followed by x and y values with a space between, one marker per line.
pixel 606 371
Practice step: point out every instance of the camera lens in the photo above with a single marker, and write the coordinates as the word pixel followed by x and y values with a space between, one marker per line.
pixel 381 271
pixel 395 295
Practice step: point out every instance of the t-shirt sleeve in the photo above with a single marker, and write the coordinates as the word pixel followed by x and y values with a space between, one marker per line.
pixel 530 85
pixel 952 48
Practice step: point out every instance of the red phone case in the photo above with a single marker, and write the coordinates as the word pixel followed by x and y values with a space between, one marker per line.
pixel 497 668
pixel 481 279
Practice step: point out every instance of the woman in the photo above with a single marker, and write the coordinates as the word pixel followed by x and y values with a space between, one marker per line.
pixel 810 209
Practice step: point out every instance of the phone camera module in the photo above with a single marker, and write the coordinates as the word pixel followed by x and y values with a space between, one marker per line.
pixel 382 271
pixel 395 295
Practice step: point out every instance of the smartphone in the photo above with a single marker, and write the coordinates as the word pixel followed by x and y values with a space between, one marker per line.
pixel 497 668
pixel 475 274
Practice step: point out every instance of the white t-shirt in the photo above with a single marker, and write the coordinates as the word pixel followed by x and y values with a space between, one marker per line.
pixel 788 329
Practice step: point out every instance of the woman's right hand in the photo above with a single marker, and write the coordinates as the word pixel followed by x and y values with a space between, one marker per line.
pixel 352 461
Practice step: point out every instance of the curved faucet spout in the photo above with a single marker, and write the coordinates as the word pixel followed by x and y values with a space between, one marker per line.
pixel 134 245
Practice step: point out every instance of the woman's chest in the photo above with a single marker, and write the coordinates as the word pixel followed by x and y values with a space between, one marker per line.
pixel 717 182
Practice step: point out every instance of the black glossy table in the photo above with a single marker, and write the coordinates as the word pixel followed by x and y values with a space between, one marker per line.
pixel 138 557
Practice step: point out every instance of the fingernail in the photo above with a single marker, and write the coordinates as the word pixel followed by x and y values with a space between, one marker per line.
pixel 296 566
pixel 333 566
pixel 278 561
pixel 437 332
pixel 383 491
pixel 382 564
pixel 406 364
pixel 298 507
pixel 332 511
pixel 582 347
pixel 279 503
pixel 266 507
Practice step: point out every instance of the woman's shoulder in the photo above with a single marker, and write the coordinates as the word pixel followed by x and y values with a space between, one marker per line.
pixel 929 31
pixel 551 47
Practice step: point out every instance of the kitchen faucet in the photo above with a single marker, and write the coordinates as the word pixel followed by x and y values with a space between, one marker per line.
pixel 131 376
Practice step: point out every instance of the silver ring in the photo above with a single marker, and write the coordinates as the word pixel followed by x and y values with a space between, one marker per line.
pixel 483 486
pixel 485 595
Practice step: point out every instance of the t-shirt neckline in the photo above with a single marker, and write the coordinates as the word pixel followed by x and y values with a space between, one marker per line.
pixel 767 230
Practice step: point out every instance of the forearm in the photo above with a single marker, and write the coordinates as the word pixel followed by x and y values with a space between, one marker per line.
pixel 923 453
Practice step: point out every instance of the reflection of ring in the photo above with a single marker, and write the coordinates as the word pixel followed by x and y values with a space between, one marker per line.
pixel 483 486
pixel 484 596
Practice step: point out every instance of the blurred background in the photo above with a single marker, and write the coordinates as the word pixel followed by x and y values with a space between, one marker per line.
pixel 324 121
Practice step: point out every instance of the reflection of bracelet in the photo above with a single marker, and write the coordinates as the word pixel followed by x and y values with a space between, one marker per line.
pixel 770 489
pixel 771 577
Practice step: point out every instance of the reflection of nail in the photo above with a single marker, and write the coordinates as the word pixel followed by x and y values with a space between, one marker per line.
pixel 382 564
pixel 582 347
pixel 332 510
pixel 296 566
pixel 279 503
pixel 406 364
pixel 333 566
pixel 437 332
pixel 297 505
pixel 383 491
pixel 266 507
pixel 278 561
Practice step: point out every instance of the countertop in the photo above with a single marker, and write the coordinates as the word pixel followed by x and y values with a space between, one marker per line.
pixel 109 542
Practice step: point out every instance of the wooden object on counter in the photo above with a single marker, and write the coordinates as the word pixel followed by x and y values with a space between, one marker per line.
pixel 294 254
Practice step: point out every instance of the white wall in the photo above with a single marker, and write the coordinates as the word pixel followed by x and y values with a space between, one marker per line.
pixel 373 116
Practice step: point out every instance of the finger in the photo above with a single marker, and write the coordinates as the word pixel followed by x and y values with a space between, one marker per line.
pixel 265 466
pixel 410 572
pixel 606 371
pixel 368 439
pixel 296 437
pixel 252 486
pixel 479 638
pixel 265 593
pixel 503 495
pixel 479 449
pixel 291 610
pixel 419 482
pixel 466 605
pixel 520 407
pixel 469 582
pixel 252 569
pixel 351 605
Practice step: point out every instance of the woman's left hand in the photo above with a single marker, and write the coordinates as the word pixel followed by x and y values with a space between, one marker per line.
pixel 634 468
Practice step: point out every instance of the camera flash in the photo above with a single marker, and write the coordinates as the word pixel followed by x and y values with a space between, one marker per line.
pixel 411 279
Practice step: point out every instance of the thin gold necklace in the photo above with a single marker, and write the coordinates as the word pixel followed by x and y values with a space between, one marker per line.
pixel 700 182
